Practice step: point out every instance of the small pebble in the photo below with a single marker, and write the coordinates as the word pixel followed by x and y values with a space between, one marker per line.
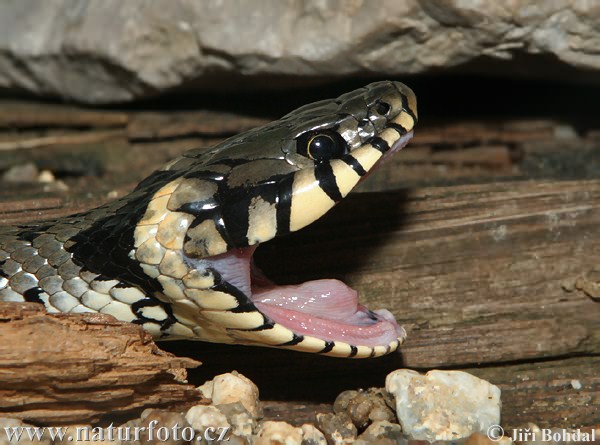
pixel 201 417
pixel 382 429
pixel 277 433
pixel 230 388
pixel 242 423
pixel 365 407
pixel 312 436
pixel 21 173
pixel 443 405
pixel 337 428
pixel 46 176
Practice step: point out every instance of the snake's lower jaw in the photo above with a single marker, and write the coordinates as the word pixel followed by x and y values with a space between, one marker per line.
pixel 321 316
pixel 327 309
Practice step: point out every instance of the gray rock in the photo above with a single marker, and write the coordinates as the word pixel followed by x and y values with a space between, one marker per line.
pixel 241 421
pixel 102 52
pixel 443 405
pixel 382 429
pixel 312 436
pixel 365 407
pixel 337 428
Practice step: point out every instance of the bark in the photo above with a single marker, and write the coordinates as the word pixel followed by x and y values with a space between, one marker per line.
pixel 76 368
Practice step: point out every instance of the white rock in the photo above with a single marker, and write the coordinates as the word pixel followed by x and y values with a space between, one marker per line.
pixel 201 417
pixel 311 435
pixel 443 405
pixel 278 433
pixel 231 388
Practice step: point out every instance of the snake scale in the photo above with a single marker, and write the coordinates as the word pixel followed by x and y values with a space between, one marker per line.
pixel 175 255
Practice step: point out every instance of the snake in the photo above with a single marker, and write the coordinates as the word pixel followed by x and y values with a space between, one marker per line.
pixel 175 255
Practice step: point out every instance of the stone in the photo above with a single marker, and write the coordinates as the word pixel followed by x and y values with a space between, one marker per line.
pixel 312 436
pixel 201 417
pixel 231 388
pixel 382 429
pixel 443 405
pixel 114 51
pixel 21 173
pixel 277 433
pixel 365 407
pixel 337 428
pixel 241 421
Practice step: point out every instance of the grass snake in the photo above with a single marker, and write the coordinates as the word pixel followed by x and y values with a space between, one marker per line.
pixel 175 255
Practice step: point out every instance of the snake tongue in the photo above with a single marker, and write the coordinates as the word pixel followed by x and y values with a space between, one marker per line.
pixel 327 298
pixel 327 309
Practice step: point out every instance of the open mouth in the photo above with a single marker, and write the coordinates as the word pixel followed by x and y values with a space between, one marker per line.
pixel 326 309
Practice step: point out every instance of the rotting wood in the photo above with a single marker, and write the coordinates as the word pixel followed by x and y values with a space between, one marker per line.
pixel 73 368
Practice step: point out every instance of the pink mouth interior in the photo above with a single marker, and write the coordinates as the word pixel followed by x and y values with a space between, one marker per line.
pixel 326 309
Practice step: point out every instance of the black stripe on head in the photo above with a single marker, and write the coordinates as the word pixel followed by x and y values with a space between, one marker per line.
pixel 356 166
pixel 284 204
pixel 399 128
pixel 324 174
pixel 379 144
pixel 406 108
pixel 328 347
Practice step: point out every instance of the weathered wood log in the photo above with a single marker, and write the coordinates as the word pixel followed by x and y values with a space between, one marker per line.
pixel 73 368
pixel 498 279
pixel 496 274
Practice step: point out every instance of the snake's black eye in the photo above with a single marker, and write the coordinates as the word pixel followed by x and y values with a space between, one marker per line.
pixel 382 108
pixel 322 146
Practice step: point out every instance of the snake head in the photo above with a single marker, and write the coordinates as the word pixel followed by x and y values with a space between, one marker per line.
pixel 199 230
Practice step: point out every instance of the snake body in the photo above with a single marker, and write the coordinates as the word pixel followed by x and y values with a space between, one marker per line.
pixel 175 255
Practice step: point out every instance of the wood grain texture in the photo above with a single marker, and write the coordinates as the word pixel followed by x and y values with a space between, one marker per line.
pixel 73 368
pixel 499 279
